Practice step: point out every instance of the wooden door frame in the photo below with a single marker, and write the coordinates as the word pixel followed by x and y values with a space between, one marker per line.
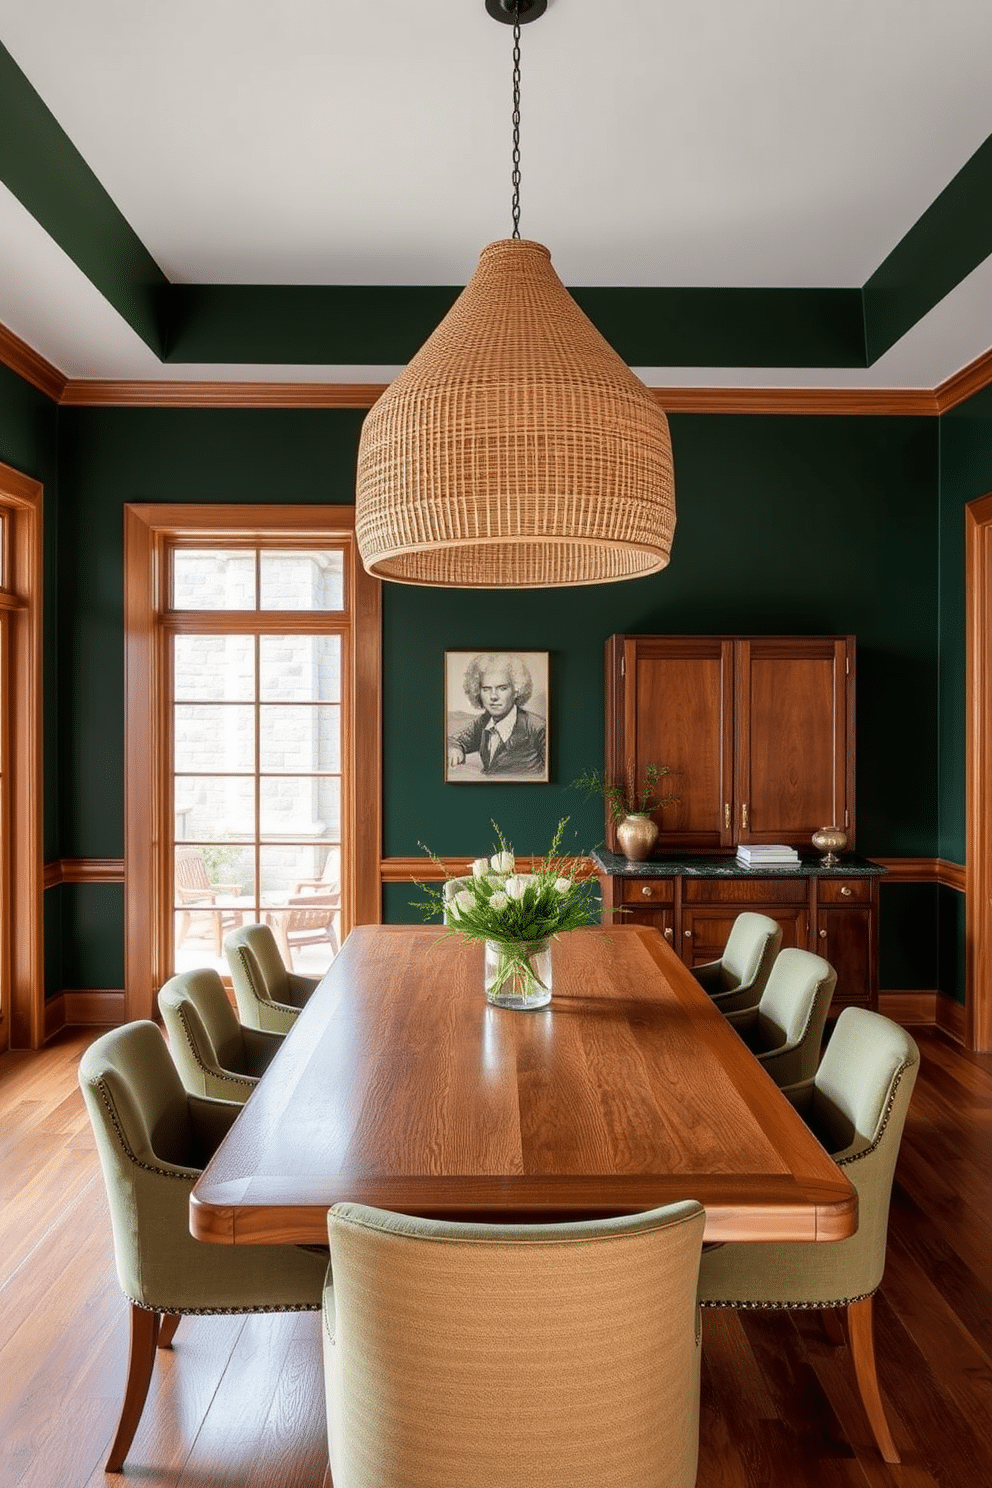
pixel 25 1021
pixel 978 788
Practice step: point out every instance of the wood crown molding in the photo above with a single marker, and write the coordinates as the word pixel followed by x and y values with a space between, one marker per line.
pixel 96 393
pixel 29 364
pixel 900 402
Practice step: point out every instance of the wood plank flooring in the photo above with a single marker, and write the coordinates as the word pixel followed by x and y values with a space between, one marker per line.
pixel 238 1402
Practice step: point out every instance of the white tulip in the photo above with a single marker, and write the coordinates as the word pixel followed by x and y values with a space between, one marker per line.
pixel 498 901
pixel 516 886
pixel 503 862
pixel 562 885
pixel 480 867
pixel 463 902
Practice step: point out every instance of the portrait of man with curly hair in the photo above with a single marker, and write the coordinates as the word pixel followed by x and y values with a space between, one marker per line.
pixel 504 736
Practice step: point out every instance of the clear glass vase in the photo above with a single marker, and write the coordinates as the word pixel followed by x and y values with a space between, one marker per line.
pixel 518 973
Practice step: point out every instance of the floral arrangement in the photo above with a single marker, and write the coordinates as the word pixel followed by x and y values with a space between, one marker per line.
pixel 514 910
pixel 625 797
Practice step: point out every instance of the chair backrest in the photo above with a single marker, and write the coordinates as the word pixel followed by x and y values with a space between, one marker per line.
pixel 152 1150
pixel 205 1037
pixel 464 1354
pixel 258 973
pixel 140 1116
pixel 191 870
pixel 750 952
pixel 793 1009
pixel 860 1100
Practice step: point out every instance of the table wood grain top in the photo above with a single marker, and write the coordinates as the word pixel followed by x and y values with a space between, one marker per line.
pixel 401 1087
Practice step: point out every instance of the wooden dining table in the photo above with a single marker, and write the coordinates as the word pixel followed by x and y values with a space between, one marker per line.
pixel 401 1087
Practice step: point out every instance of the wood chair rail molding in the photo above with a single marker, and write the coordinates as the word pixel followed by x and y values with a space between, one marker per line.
pixel 96 393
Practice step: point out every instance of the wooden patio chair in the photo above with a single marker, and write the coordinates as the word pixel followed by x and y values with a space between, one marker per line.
pixel 195 894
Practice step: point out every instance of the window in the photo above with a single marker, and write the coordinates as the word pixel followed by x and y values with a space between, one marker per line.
pixel 256 680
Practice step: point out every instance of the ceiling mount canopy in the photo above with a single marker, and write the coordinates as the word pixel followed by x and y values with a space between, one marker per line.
pixel 516 449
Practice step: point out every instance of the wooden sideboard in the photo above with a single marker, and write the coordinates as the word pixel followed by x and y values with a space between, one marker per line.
pixel 694 901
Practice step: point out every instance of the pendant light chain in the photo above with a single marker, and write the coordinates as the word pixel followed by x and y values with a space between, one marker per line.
pixel 515 178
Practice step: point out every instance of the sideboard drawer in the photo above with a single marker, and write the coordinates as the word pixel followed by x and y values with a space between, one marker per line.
pixel 843 890
pixel 648 891
pixel 745 890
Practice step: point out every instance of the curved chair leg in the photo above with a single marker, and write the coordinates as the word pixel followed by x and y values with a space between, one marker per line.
pixel 167 1328
pixel 144 1336
pixel 832 1325
pixel 862 1334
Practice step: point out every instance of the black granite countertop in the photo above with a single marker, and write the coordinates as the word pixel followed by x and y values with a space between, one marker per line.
pixel 725 865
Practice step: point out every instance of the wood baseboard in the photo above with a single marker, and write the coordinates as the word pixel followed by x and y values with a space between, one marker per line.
pixel 951 1018
pixel 907 1008
pixel 83 1009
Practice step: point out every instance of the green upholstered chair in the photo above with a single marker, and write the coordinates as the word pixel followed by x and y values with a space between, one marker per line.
pixel 153 1139
pixel 462 1355
pixel 856 1106
pixel 269 996
pixel 785 1029
pixel 738 979
pixel 215 1054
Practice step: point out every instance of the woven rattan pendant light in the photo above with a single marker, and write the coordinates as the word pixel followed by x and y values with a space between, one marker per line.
pixel 516 449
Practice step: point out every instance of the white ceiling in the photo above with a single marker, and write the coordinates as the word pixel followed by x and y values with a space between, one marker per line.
pixel 768 143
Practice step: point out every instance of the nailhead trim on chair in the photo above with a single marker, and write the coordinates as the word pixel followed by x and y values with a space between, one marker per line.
pixel 128 1150
pixel 843 1162
pixel 228 1311
pixel 218 1073
pixel 248 964
pixel 791 1306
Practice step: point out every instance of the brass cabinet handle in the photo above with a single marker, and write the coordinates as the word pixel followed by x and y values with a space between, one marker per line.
pixel 668 933
pixel 823 934
pixel 744 822
pixel 687 934
pixel 726 815
pixel 846 890
pixel 647 890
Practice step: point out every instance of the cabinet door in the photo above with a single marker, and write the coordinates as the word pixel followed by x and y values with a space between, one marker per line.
pixel 795 751
pixel 648 901
pixel 706 929
pixel 670 701
pixel 845 925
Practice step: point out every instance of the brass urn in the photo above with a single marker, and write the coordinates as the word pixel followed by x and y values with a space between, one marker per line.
pixel 830 841
pixel 637 835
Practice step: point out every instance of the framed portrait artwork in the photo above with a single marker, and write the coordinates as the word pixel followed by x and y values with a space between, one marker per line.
pixel 496 716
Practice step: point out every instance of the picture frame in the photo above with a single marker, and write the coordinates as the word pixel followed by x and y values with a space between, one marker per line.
pixel 496 717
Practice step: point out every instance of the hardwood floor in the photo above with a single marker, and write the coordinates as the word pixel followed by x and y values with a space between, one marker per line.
pixel 239 1401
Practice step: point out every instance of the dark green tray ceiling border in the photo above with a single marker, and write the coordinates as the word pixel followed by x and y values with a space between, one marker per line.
pixel 384 325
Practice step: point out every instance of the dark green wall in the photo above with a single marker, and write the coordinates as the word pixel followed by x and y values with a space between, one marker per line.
pixel 787 525
pixel 965 475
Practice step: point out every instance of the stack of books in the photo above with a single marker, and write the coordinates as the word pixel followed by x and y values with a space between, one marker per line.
pixel 766 854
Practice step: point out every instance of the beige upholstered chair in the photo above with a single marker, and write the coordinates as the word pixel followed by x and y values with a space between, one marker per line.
pixel 785 1030
pixel 153 1139
pixel 268 995
pixel 463 1355
pixel 215 1054
pixel 738 979
pixel 856 1105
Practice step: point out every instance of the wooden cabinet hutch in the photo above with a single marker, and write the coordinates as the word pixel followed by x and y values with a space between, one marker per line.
pixel 758 733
